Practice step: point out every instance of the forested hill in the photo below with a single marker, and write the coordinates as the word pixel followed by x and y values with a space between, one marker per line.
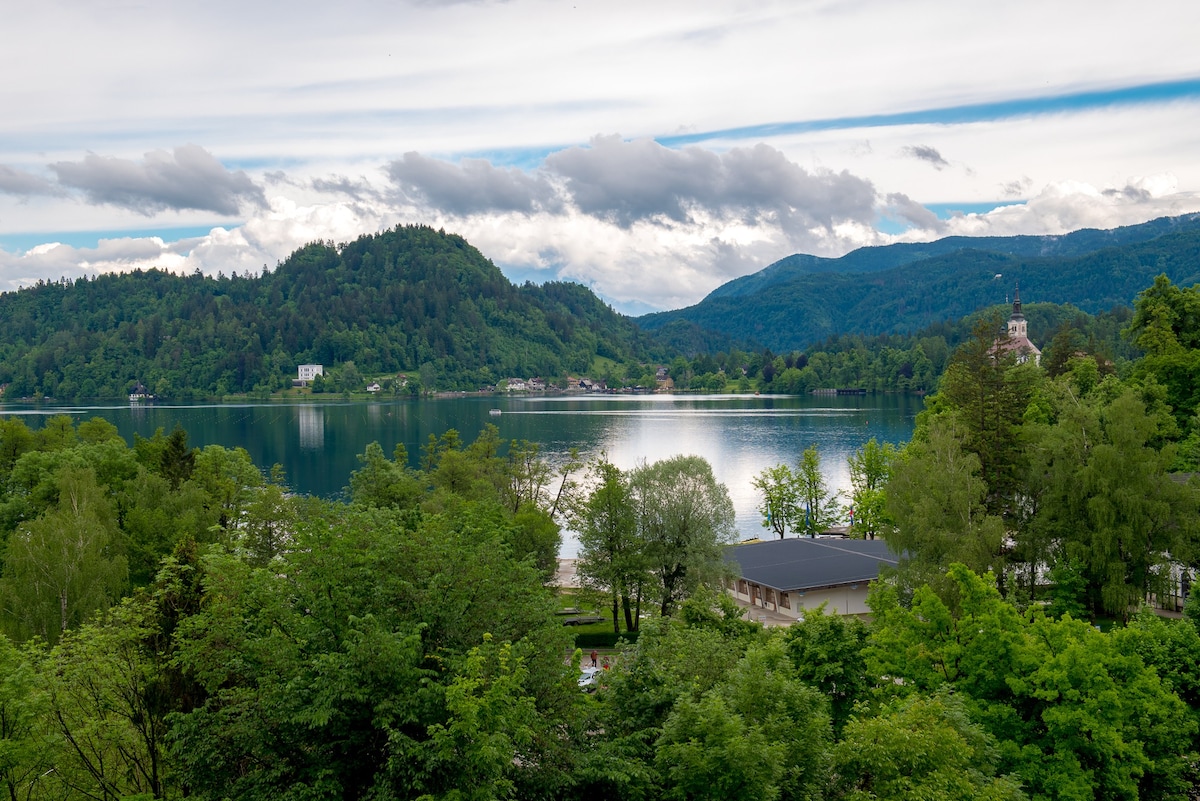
pixel 390 302
pixel 900 288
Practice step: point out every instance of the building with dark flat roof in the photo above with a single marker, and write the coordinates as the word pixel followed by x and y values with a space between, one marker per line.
pixel 790 575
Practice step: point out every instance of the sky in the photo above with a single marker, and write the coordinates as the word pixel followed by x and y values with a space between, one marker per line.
pixel 649 150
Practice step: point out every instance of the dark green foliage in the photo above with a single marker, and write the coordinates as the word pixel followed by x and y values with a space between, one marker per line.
pixel 784 308
pixel 389 303
pixel 604 639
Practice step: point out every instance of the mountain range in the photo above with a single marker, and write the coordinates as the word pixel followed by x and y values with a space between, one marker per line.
pixel 801 300
pixel 418 300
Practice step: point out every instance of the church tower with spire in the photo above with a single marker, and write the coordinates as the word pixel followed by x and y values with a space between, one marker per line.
pixel 1018 334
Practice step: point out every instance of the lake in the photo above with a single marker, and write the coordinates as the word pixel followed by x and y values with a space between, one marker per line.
pixel 739 435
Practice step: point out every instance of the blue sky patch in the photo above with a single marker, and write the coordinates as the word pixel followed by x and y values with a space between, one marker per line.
pixel 19 243
pixel 945 211
pixel 1166 92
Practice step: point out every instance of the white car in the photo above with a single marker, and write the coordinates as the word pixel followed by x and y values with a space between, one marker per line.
pixel 588 677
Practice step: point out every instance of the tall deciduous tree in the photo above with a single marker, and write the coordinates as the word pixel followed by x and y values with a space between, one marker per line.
pixel 63 566
pixel 1110 505
pixel 819 506
pixel 684 518
pixel 989 392
pixel 611 557
pixel 777 489
pixel 936 499
pixel 870 470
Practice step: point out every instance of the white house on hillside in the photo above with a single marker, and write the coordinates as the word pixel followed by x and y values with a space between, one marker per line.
pixel 307 372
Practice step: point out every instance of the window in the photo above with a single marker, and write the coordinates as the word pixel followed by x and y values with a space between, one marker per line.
pixel 783 600
pixel 742 586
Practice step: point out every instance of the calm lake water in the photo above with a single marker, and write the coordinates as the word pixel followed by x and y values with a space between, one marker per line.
pixel 739 435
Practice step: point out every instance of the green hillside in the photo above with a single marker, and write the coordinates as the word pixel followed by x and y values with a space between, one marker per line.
pixel 875 259
pixel 790 306
pixel 390 302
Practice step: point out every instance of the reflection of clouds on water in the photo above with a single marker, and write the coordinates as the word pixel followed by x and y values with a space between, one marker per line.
pixel 312 427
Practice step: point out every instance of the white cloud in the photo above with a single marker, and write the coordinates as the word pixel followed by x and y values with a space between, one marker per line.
pixel 335 120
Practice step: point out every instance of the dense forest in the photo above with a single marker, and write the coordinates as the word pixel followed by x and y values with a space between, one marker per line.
pixel 422 310
pixel 390 303
pixel 177 624
pixel 903 362
pixel 902 288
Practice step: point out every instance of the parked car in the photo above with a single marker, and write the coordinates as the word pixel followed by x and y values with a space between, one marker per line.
pixel 588 678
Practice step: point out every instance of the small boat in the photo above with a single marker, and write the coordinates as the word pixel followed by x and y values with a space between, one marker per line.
pixel 494 412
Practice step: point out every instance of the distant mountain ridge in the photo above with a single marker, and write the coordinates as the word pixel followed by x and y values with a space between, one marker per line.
pixel 801 300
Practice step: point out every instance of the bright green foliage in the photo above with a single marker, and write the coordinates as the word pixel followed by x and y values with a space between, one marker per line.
pixel 819 506
pixel 708 751
pixel 936 498
pixel 612 560
pixel 1172 648
pixel 709 707
pixel 65 565
pixel 1109 502
pixel 109 710
pixel 870 471
pixel 1166 325
pixel 347 666
pixel 684 518
pixel 384 483
pixel 921 749
pixel 828 653
pixel 1076 713
pixel 760 734
pixel 778 505
pixel 492 720
pixel 25 738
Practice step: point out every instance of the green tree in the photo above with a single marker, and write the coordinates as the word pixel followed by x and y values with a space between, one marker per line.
pixel 870 471
pixel 1077 713
pixel 1109 503
pixel 936 499
pixel 684 518
pixel 777 487
pixel 989 392
pixel 828 653
pixel 109 708
pixel 611 557
pixel 920 749
pixel 820 506
pixel 26 742
pixel 383 482
pixel 63 566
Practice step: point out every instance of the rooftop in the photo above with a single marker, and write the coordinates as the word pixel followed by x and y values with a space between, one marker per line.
pixel 802 563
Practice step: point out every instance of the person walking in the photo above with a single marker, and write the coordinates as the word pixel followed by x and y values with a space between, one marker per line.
pixel 594 655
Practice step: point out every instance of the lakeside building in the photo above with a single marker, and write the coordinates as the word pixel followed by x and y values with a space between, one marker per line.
pixel 790 575
pixel 305 373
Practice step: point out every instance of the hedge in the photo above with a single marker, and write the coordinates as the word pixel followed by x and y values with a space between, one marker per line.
pixel 605 639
